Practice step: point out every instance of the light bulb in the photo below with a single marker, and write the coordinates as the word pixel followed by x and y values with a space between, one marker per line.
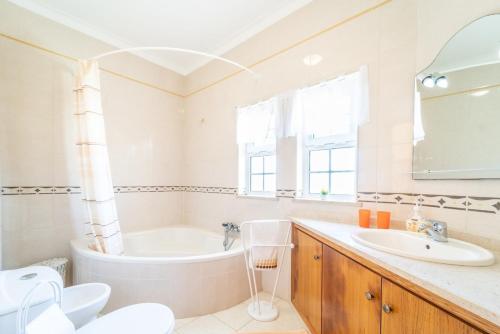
pixel 428 81
pixel 312 60
pixel 442 82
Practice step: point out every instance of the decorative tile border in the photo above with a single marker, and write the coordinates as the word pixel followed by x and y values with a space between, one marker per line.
pixel 452 202
pixel 489 205
pixel 40 190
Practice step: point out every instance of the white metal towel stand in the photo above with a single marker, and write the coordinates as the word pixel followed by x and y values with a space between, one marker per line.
pixel 264 243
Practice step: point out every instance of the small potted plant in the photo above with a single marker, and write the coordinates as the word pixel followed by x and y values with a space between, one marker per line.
pixel 323 193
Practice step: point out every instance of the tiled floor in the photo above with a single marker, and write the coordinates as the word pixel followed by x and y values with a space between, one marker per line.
pixel 236 320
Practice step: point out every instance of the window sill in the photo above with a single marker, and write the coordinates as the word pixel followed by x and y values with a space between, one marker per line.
pixel 254 196
pixel 340 200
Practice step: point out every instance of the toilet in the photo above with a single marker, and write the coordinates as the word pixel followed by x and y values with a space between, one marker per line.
pixel 82 303
pixel 147 318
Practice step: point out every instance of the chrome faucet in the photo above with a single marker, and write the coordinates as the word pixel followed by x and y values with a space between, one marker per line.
pixel 435 229
pixel 229 230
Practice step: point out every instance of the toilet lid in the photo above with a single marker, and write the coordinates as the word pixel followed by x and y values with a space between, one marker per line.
pixel 134 319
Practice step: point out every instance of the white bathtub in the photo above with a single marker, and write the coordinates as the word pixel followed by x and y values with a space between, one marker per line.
pixel 183 267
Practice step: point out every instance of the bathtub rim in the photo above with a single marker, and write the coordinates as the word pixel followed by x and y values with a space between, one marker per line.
pixel 80 247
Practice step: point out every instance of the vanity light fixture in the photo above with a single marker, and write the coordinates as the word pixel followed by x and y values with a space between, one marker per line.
pixel 442 82
pixel 480 93
pixel 428 81
pixel 312 60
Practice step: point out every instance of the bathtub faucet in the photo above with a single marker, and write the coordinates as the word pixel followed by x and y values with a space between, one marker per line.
pixel 229 230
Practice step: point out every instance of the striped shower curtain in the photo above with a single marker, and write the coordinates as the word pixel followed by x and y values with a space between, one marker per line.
pixel 103 226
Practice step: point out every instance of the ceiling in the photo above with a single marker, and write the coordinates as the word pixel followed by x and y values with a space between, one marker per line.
pixel 212 26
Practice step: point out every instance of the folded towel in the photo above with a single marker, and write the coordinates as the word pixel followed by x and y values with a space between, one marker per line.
pixel 266 263
pixel 52 321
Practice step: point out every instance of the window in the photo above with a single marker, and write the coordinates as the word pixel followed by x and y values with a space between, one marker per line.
pixel 257 148
pixel 327 154
pixel 262 173
pixel 331 169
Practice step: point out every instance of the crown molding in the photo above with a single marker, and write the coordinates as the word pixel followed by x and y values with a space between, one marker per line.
pixel 84 27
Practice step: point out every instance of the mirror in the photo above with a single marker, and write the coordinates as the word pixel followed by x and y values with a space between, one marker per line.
pixel 457 107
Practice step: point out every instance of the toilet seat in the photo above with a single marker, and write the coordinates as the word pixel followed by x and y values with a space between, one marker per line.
pixel 134 319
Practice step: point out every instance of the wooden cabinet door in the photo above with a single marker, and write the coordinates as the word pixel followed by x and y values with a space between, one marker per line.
pixel 403 312
pixel 351 296
pixel 306 279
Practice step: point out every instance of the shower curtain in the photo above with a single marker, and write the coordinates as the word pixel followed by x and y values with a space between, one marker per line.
pixel 103 225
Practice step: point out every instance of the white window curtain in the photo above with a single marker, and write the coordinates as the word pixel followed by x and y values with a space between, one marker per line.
pixel 333 108
pixel 103 226
pixel 256 124
pixel 328 109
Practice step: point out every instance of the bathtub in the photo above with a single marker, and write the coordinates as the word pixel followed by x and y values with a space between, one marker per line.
pixel 183 267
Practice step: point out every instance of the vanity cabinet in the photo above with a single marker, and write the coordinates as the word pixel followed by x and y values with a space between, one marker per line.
pixel 336 294
pixel 306 278
pixel 351 296
pixel 404 312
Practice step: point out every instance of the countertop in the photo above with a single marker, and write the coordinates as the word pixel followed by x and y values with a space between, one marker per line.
pixel 476 289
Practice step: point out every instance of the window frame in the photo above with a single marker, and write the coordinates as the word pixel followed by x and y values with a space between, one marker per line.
pixel 327 143
pixel 253 151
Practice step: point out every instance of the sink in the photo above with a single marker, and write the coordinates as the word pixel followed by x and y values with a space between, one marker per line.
pixel 421 247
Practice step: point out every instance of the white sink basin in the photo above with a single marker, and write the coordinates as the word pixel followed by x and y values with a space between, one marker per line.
pixel 420 247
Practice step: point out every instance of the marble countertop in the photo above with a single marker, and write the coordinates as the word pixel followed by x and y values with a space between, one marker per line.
pixel 476 289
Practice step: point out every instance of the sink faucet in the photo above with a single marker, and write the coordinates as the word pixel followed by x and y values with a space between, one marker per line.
pixel 229 229
pixel 437 230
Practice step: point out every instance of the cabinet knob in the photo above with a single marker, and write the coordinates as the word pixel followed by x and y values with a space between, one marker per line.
pixel 387 308
pixel 316 257
pixel 369 295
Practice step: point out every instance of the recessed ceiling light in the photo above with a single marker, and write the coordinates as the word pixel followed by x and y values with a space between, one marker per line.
pixel 442 82
pixel 312 60
pixel 428 81
pixel 480 93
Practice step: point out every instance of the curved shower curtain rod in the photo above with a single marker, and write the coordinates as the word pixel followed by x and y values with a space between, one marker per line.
pixel 167 48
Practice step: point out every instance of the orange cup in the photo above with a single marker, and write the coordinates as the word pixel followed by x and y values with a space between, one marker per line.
pixel 364 218
pixel 383 219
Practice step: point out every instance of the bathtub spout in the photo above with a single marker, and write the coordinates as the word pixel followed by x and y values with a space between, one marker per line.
pixel 229 230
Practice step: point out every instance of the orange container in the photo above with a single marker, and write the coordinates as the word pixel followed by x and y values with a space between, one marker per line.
pixel 383 219
pixel 364 218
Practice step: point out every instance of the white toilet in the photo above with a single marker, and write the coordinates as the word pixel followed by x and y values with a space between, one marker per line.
pixel 134 319
pixel 82 303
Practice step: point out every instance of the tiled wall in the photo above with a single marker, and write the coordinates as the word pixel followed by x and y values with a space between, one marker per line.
pixel 396 41
pixel 41 207
pixel 171 167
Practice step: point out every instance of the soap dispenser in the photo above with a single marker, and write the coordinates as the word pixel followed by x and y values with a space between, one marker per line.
pixel 414 220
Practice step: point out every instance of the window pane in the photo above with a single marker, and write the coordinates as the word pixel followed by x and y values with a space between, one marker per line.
pixel 257 164
pixel 344 159
pixel 270 164
pixel 343 183
pixel 256 183
pixel 270 182
pixel 319 161
pixel 317 182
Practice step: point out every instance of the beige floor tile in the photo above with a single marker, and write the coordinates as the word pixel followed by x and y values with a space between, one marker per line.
pixel 182 322
pixel 236 317
pixel 207 324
